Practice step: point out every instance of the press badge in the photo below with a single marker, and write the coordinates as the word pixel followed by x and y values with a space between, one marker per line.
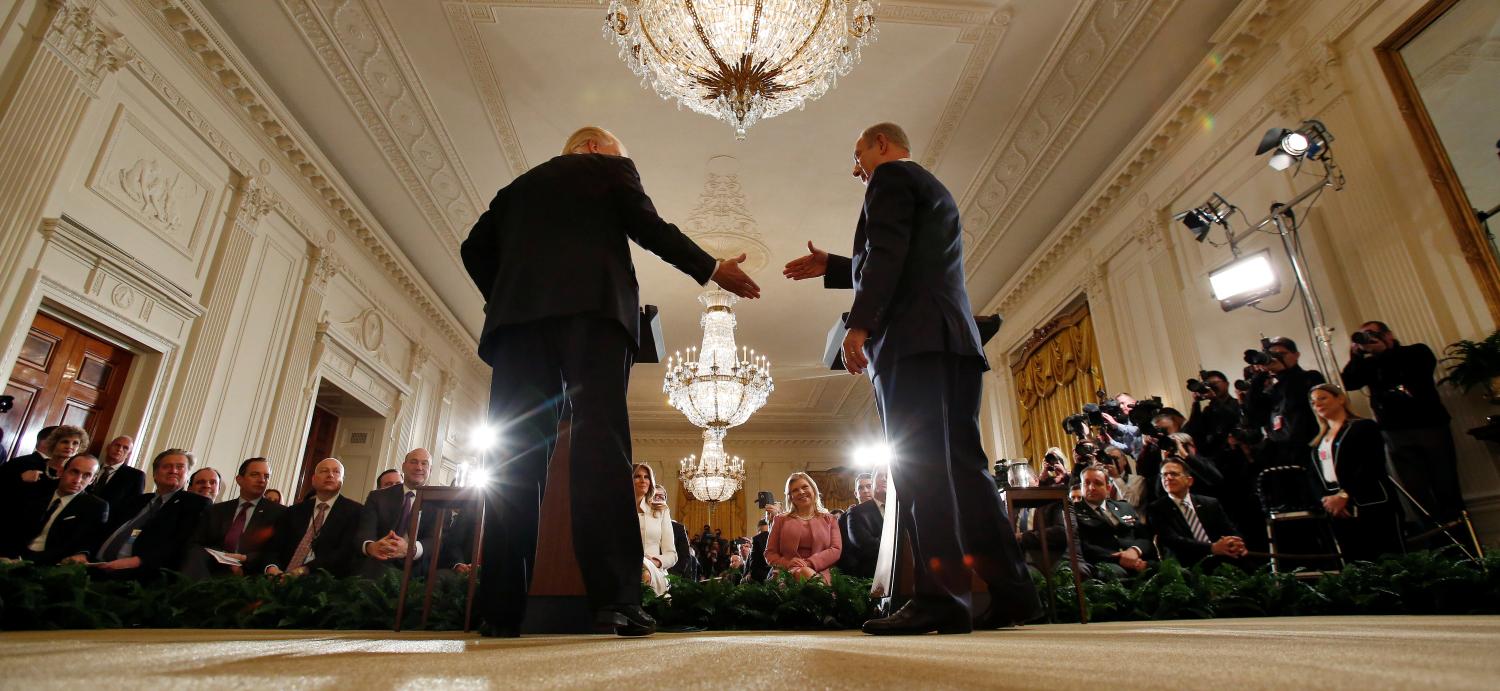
pixel 1277 422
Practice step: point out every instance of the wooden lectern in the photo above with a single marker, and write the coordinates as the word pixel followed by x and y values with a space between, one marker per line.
pixel 559 602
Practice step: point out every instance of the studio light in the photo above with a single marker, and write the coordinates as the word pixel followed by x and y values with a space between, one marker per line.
pixel 1244 281
pixel 483 438
pixel 1309 140
pixel 1202 219
pixel 873 455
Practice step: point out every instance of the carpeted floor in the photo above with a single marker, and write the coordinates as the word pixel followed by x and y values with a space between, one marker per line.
pixel 1313 653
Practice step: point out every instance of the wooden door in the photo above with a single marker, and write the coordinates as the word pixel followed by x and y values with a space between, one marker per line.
pixel 63 376
pixel 320 438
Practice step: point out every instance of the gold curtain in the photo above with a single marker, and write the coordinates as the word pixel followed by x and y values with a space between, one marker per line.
pixel 1056 373
pixel 729 516
pixel 836 486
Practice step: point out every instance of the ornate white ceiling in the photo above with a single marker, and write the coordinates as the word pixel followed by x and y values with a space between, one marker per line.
pixel 428 106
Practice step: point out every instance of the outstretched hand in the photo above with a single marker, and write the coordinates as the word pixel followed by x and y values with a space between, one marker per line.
pixel 732 278
pixel 810 265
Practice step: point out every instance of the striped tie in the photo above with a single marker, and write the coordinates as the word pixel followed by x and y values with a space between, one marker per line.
pixel 1191 515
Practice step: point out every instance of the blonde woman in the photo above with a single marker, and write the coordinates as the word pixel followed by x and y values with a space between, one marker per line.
pixel 805 541
pixel 656 530
pixel 65 442
pixel 1349 457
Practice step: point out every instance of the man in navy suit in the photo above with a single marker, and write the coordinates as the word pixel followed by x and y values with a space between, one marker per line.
pixel 117 482
pixel 316 533
pixel 62 525
pixel 912 327
pixel 1188 527
pixel 562 323
pixel 384 521
pixel 152 532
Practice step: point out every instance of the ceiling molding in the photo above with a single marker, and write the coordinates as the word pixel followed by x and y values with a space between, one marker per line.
pixel 1097 49
pixel 986 37
pixel 462 18
pixel 1210 83
pixel 187 29
pixel 358 49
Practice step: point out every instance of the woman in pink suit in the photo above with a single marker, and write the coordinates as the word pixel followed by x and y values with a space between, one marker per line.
pixel 804 541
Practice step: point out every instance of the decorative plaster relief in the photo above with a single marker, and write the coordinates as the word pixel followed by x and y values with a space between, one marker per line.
pixel 104 275
pixel 721 223
pixel 145 178
pixel 86 45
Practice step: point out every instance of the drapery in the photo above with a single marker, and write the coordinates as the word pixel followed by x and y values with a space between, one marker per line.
pixel 1057 372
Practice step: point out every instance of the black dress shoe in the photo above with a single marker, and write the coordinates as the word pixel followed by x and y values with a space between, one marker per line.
pixel 624 620
pixel 921 617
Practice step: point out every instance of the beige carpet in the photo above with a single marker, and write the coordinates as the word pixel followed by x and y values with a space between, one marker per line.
pixel 1309 653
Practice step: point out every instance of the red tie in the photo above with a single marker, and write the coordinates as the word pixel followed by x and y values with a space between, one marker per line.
pixel 237 528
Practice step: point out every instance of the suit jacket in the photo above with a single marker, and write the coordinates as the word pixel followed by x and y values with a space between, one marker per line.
pixel 556 242
pixel 124 485
pixel 1359 464
pixel 1098 538
pixel 1173 535
pixel 907 268
pixel 687 562
pixel 788 533
pixel 334 548
pixel 78 528
pixel 863 525
pixel 164 538
pixel 382 514
pixel 759 567
pixel 259 527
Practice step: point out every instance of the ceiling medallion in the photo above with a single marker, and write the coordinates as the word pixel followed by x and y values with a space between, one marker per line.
pixel 740 61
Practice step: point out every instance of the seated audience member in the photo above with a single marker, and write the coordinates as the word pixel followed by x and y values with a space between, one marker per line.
pixel 711 562
pixel 36 460
pixel 117 482
pixel 862 528
pixel 687 560
pixel 759 567
pixel 319 532
pixel 62 444
pixel 1207 480
pixel 388 478
pixel 205 482
pixel 273 496
pixel 1349 457
pixel 239 527
pixel 805 540
pixel 386 518
pixel 1188 527
pixel 152 532
pixel 1111 535
pixel 658 546
pixel 864 489
pixel 64 525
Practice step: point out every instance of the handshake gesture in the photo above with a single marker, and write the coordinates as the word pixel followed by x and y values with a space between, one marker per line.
pixel 814 264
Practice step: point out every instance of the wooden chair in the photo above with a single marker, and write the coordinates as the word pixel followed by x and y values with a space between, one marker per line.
pixel 441 500
pixel 1040 498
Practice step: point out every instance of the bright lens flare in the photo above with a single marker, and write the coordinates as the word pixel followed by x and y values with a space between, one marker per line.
pixel 873 455
pixel 483 438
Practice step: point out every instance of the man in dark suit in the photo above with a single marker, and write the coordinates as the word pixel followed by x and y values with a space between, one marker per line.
pixel 151 533
pixel 240 527
pixel 863 525
pixel 912 326
pixel 62 525
pixel 1111 536
pixel 117 482
pixel 317 533
pixel 386 517
pixel 760 568
pixel 687 562
pixel 35 460
pixel 1191 528
pixel 562 321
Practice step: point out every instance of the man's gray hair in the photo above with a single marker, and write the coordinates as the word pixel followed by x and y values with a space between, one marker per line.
pixel 892 132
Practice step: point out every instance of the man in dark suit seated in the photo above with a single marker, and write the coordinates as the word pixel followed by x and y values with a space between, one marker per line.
pixel 1190 528
pixel 152 532
pixel 687 561
pixel 240 527
pixel 117 482
pixel 317 533
pixel 386 517
pixel 61 526
pixel 759 567
pixel 36 460
pixel 863 526
pixel 1111 536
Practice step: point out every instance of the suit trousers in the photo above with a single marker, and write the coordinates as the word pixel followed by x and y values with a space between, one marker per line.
pixel 582 364
pixel 930 406
pixel 1427 466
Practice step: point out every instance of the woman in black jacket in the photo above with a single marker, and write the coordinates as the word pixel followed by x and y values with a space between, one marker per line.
pixel 1348 456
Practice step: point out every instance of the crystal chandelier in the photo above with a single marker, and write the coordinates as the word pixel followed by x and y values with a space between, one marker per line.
pixel 740 60
pixel 715 386
pixel 714 476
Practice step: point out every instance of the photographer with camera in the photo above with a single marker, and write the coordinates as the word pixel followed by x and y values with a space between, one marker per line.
pixel 1277 399
pixel 1214 413
pixel 1412 417
pixel 1124 433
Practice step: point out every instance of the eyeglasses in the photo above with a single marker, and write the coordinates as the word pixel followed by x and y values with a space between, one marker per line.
pixel 1170 473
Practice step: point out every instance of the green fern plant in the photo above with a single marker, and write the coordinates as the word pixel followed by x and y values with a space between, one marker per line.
pixel 1472 363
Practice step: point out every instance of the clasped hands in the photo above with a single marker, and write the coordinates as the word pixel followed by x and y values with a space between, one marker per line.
pixel 1229 546
pixel 815 264
pixel 1130 559
pixel 392 546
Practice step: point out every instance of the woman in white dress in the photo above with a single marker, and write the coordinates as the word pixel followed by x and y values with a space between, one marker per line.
pixel 656 530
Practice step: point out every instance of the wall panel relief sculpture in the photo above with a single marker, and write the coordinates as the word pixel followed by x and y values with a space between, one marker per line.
pixel 146 179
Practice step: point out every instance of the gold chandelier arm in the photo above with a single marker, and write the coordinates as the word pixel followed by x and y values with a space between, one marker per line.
pixel 703 37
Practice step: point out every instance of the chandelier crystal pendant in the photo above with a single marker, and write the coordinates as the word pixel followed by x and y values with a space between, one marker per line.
pixel 740 61
pixel 714 476
pixel 716 386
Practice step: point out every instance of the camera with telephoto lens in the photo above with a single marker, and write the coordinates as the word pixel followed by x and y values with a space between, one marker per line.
pixel 1076 424
pixel 1200 387
pixel 1363 338
pixel 1144 411
pixel 1263 356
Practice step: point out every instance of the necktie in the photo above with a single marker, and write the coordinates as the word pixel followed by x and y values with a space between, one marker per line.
pixel 237 528
pixel 1107 515
pixel 51 509
pixel 305 546
pixel 103 478
pixel 121 544
pixel 1191 515
pixel 405 513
